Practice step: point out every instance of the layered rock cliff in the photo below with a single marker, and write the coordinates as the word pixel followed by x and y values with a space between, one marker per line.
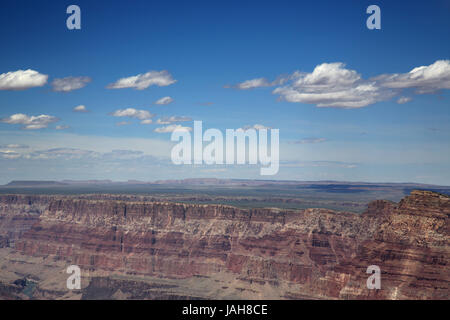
pixel 217 251
pixel 18 214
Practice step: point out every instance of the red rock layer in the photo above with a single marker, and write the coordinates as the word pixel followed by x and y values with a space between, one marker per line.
pixel 17 215
pixel 314 253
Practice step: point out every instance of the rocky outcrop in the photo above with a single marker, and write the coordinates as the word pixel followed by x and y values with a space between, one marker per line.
pixel 411 245
pixel 312 253
pixel 17 215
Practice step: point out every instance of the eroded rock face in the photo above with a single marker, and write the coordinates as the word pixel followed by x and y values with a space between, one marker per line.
pixel 17 215
pixel 412 248
pixel 313 253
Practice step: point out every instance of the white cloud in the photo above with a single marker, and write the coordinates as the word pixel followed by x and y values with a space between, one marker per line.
pixel 30 122
pixel 143 81
pixel 425 79
pixel 133 113
pixel 22 79
pixel 260 83
pixel 252 84
pixel 163 121
pixel 169 120
pixel 147 121
pixel 332 85
pixel 80 108
pixel 70 83
pixel 171 128
pixel 403 100
pixel 180 119
pixel 164 100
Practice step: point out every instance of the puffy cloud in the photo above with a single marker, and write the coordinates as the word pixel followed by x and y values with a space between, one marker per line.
pixel 169 120
pixel 70 83
pixel 332 85
pixel 30 122
pixel 425 79
pixel 403 100
pixel 80 108
pixel 171 128
pixel 22 79
pixel 143 81
pixel 133 113
pixel 147 121
pixel 310 140
pixel 164 100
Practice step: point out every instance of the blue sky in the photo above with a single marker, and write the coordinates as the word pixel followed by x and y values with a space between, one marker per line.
pixel 209 49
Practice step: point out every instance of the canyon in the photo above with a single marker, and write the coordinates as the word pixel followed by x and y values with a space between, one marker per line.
pixel 130 248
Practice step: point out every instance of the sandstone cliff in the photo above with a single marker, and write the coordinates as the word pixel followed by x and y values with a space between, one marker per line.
pixel 172 250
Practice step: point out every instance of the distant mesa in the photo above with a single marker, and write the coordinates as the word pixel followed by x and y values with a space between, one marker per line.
pixel 87 182
pixel 328 184
pixel 23 183
pixel 42 183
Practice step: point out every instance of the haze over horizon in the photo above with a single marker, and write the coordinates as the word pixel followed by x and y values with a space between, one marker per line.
pixel 205 181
